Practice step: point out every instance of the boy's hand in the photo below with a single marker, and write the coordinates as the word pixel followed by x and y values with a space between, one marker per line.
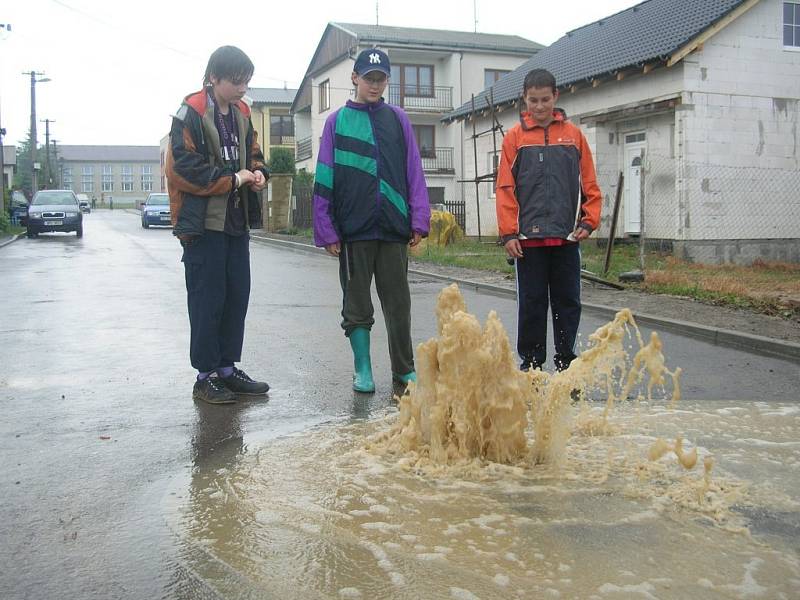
pixel 415 239
pixel 334 249
pixel 245 177
pixel 260 181
pixel 580 234
pixel 513 248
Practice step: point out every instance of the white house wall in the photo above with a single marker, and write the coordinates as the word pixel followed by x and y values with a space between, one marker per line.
pixel 740 136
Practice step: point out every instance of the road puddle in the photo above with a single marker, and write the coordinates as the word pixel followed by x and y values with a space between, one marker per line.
pixel 489 483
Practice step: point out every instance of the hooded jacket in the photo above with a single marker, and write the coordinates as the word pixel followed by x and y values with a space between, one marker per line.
pixel 546 182
pixel 369 183
pixel 199 180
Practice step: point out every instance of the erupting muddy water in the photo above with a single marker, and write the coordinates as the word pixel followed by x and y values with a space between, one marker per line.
pixel 491 483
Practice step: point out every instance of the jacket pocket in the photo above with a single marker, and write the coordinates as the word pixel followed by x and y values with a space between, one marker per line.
pixel 191 219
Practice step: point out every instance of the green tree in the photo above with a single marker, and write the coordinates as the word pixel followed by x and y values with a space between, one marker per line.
pixel 281 160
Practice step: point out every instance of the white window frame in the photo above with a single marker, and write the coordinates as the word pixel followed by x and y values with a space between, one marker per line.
pixel 108 178
pixel 796 24
pixel 87 178
pixel 147 178
pixel 66 177
pixel 493 162
pixel 127 178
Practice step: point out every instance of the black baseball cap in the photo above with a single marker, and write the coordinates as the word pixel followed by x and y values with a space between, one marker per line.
pixel 370 60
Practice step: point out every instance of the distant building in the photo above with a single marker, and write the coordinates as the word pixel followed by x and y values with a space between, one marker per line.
pixel 271 118
pixel 9 165
pixel 125 173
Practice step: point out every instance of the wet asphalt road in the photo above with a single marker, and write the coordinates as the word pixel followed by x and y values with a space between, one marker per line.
pixel 98 419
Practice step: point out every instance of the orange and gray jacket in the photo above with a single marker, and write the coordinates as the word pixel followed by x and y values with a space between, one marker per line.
pixel 546 182
pixel 199 180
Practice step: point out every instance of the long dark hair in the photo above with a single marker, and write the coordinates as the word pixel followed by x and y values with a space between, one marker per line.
pixel 228 62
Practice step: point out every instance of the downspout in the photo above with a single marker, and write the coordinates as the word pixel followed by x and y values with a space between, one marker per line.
pixel 461 125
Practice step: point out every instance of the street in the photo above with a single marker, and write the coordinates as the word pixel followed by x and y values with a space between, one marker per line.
pixel 98 419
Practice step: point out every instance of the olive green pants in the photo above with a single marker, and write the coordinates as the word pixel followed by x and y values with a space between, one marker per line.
pixel 388 262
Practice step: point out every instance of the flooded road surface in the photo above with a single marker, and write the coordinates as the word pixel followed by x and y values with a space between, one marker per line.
pixel 315 516
pixel 115 484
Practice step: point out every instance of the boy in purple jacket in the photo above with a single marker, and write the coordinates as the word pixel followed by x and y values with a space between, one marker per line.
pixel 370 204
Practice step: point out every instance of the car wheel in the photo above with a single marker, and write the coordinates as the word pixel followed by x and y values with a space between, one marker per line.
pixel 79 231
pixel 31 234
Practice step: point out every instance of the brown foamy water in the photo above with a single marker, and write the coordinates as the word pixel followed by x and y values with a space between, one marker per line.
pixel 491 483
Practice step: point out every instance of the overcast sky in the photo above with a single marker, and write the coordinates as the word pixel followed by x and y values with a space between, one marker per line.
pixel 118 69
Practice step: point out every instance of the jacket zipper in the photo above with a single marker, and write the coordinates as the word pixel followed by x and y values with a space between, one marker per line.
pixel 370 109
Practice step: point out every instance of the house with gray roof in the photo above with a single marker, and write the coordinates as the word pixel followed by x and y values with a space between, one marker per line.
pixel 433 72
pixel 124 174
pixel 696 103
pixel 271 117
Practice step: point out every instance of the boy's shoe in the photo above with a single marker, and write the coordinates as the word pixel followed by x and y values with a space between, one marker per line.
pixel 241 383
pixel 212 391
pixel 404 379
pixel 527 365
pixel 362 365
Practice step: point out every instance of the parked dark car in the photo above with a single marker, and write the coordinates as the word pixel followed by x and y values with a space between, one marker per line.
pixel 18 208
pixel 155 211
pixel 54 210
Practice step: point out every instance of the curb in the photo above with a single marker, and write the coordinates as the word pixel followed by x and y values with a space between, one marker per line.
pixel 714 335
pixel 13 238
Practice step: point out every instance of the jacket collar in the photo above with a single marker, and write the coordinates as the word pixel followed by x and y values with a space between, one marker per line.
pixel 365 105
pixel 199 102
pixel 528 122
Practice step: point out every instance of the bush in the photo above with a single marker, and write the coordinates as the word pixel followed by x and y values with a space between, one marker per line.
pixel 281 160
pixel 5 222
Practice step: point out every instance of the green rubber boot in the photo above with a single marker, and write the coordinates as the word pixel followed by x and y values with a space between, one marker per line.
pixel 404 379
pixel 362 377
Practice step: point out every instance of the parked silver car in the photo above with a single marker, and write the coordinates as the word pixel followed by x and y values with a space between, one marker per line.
pixel 54 210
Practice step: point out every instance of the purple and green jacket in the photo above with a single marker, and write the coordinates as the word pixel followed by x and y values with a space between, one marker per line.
pixel 369 183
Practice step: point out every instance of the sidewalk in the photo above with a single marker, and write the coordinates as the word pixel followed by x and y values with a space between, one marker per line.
pixel 718 325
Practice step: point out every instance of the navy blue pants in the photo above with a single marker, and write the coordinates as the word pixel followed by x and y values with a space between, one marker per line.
pixel 549 275
pixel 217 269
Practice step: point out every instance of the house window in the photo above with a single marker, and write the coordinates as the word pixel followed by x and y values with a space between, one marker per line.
pixel 281 129
pixel 494 163
pixel 127 178
pixel 791 24
pixel 66 178
pixel 492 75
pixel 325 95
pixel 414 80
pixel 108 178
pixel 147 178
pixel 426 140
pixel 633 138
pixel 87 179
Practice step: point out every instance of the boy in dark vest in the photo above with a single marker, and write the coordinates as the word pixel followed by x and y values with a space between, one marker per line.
pixel 214 168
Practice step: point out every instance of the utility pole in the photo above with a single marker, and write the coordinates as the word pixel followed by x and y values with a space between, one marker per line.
pixel 59 178
pixel 34 81
pixel 48 171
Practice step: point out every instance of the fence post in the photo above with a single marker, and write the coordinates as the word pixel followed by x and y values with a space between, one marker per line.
pixel 642 188
pixel 612 234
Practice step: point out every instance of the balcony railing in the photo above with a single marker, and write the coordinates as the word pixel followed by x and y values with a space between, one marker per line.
pixel 438 160
pixel 303 149
pixel 281 140
pixel 421 98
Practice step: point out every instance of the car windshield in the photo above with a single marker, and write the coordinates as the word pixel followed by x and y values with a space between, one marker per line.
pixel 158 200
pixel 53 198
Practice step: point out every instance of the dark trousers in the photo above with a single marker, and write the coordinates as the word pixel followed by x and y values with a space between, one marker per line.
pixel 388 262
pixel 217 269
pixel 548 275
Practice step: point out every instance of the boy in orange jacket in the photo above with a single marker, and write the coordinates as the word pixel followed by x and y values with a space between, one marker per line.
pixel 547 203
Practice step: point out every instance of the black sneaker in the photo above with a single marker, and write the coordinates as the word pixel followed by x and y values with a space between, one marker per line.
pixel 240 382
pixel 212 391
pixel 527 365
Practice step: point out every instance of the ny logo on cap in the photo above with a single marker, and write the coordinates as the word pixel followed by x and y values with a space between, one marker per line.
pixel 374 58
